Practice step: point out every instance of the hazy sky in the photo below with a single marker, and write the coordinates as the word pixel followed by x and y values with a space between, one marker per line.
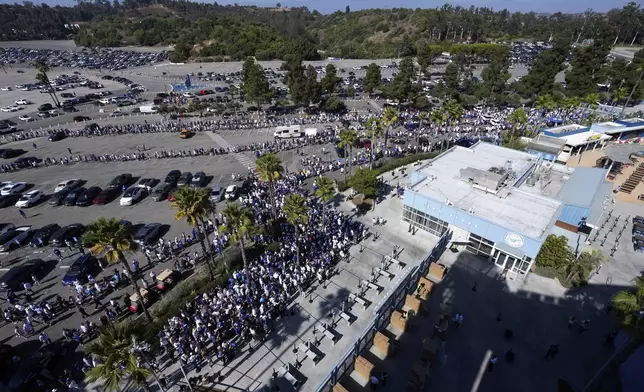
pixel 329 6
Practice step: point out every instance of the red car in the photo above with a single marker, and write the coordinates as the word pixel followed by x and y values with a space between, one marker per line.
pixel 106 196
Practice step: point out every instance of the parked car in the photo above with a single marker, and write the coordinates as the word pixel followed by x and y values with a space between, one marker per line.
pixel 14 187
pixel 216 194
pixel 132 196
pixel 73 195
pixel 59 135
pixel 199 180
pixel 29 199
pixel 66 233
pixel 147 234
pixel 9 200
pixel 67 184
pixel 58 198
pixel 185 179
pixel 5 227
pixel 17 275
pixel 231 192
pixel 106 196
pixel 87 197
pixel 161 192
pixel 148 183
pixel 172 177
pixel 120 180
pixel 11 153
pixel 79 269
pixel 14 239
pixel 41 236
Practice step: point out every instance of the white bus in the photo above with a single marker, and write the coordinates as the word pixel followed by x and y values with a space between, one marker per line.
pixel 288 132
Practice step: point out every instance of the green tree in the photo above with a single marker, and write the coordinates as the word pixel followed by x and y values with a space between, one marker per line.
pixel 330 81
pixel 296 81
pixel 389 119
pixel 347 9
pixel 255 84
pixel 453 110
pixel 372 78
pixel 312 87
pixel 325 190
pixel 585 73
pixel 541 77
pixel 514 142
pixel 401 88
pixel 555 252
pixel 577 269
pixel 347 139
pixel 240 224
pixel 451 78
pixel 270 170
pixel 194 205
pixel 117 361
pixel 518 118
pixel 333 104
pixel 373 131
pixel 426 56
pixel 365 181
pixel 42 77
pixel 297 214
pixel 110 238
pixel 351 92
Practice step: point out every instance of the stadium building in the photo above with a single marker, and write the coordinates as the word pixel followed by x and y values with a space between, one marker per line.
pixel 501 204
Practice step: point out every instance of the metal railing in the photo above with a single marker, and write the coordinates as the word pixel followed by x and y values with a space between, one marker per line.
pixel 382 315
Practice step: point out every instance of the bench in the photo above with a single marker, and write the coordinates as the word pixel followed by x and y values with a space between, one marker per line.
pixel 285 370
pixel 371 285
pixel 310 354
pixel 358 299
pixel 384 273
pixel 346 317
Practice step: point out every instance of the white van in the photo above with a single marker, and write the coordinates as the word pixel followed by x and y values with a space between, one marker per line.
pixel 311 132
pixel 287 132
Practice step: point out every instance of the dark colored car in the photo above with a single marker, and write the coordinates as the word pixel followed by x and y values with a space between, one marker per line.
pixel 60 135
pixel 44 107
pixel 42 235
pixel 161 192
pixel 148 183
pixel 120 180
pixel 37 367
pixel 9 200
pixel 11 153
pixel 185 179
pixel 57 198
pixel 106 196
pixel 73 195
pixel 87 197
pixel 81 118
pixel 147 234
pixel 16 276
pixel 172 177
pixel 26 162
pixel 69 108
pixel 66 233
pixel 79 270
pixel 199 180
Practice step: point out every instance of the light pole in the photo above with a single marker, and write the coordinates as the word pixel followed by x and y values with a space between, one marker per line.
pixel 142 349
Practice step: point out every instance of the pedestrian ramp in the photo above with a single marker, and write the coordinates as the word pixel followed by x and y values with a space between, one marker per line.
pixel 242 158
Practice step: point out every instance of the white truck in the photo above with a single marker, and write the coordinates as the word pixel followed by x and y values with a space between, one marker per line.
pixel 288 132
pixel 310 132
pixel 148 109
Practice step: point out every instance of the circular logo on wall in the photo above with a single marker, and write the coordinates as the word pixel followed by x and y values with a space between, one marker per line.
pixel 514 240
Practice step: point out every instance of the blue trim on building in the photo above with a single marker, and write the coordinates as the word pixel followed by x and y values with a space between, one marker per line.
pixel 573 215
pixel 569 133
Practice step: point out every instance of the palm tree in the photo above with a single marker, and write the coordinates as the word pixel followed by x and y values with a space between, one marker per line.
pixel 193 205
pixel 116 351
pixel 373 132
pixel 348 138
pixel 422 117
pixel 590 100
pixel 240 225
pixel 568 104
pixel 42 67
pixel 297 213
pixel 546 103
pixel 270 170
pixel 453 110
pixel 325 191
pixel 111 238
pixel 389 119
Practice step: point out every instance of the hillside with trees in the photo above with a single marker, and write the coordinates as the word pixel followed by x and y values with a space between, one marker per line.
pixel 213 31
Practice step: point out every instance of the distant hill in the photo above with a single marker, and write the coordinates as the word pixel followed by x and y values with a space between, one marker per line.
pixel 234 32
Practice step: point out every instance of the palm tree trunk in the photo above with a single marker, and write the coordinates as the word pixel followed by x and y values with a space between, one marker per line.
pixel 242 248
pixel 211 254
pixel 271 192
pixel 205 254
pixel 135 283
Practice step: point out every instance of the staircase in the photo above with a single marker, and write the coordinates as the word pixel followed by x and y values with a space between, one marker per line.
pixel 633 180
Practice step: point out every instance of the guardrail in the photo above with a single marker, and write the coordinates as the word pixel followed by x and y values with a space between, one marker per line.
pixel 382 315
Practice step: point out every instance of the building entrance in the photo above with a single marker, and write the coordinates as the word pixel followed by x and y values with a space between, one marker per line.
pixel 510 263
